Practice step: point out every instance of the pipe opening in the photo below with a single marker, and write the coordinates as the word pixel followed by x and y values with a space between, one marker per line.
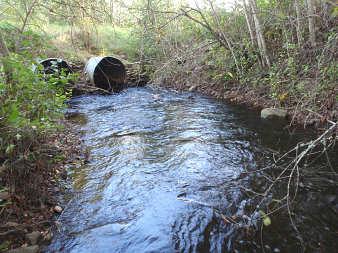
pixel 56 66
pixel 106 73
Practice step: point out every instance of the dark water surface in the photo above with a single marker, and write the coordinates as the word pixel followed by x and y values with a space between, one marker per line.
pixel 166 168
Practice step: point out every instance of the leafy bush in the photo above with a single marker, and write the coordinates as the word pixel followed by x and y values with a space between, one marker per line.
pixel 28 43
pixel 31 106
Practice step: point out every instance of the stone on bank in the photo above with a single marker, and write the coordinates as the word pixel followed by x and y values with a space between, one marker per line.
pixel 268 113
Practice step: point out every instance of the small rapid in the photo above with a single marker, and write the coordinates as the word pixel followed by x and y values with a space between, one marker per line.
pixel 166 169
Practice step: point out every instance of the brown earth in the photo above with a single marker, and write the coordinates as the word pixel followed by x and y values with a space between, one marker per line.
pixel 24 211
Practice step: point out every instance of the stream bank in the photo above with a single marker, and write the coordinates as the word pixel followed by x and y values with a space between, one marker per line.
pixel 28 218
pixel 259 98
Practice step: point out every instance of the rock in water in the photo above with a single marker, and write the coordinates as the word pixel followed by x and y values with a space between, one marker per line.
pixel 268 113
pixel 30 249
pixel 58 209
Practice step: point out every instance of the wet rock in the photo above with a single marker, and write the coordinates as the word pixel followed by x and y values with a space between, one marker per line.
pixel 76 117
pixel 72 114
pixel 34 237
pixel 193 88
pixel 268 113
pixel 57 209
pixel 30 249
pixel 182 195
pixel 4 196
pixel 48 237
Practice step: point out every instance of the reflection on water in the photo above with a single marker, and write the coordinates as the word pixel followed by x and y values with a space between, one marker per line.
pixel 163 174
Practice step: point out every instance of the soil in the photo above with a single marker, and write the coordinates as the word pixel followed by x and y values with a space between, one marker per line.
pixel 22 216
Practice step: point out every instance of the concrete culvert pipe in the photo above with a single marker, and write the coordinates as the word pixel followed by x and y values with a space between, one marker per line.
pixel 55 66
pixel 106 73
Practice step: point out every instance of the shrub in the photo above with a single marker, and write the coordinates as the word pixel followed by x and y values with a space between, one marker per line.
pixel 30 107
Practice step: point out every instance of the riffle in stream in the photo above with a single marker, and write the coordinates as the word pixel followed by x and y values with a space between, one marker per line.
pixel 165 170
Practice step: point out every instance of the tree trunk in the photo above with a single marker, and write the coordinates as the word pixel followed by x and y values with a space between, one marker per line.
pixel 311 20
pixel 298 28
pixel 259 33
pixel 248 19
pixel 225 37
pixel 3 47
pixel 4 53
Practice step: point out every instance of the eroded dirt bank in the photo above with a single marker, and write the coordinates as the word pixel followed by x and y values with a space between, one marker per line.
pixel 256 99
pixel 29 209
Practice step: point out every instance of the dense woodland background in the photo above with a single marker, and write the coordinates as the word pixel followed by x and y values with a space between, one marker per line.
pixel 284 51
pixel 261 52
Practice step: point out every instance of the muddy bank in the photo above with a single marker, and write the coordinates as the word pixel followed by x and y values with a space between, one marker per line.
pixel 298 112
pixel 27 216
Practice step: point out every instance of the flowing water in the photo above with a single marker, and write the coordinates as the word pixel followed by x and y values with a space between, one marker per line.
pixel 167 173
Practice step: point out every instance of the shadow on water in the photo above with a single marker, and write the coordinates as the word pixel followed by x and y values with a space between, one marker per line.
pixel 166 170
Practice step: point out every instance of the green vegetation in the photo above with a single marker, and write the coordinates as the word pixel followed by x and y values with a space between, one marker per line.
pixel 283 51
pixel 31 106
pixel 263 47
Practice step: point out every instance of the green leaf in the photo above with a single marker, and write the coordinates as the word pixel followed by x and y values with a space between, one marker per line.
pixel 18 136
pixel 267 221
pixel 266 218
pixel 10 148
pixel 14 114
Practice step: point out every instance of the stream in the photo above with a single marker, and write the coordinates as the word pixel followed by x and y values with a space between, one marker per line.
pixel 166 174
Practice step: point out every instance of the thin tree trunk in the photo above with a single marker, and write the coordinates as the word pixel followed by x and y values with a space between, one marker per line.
pixel 225 37
pixel 259 33
pixel 311 20
pixel 248 19
pixel 29 10
pixel 4 53
pixel 3 47
pixel 325 12
pixel 298 28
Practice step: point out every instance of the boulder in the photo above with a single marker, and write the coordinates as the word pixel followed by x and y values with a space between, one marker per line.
pixel 58 209
pixel 268 113
pixel 34 237
pixel 30 249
